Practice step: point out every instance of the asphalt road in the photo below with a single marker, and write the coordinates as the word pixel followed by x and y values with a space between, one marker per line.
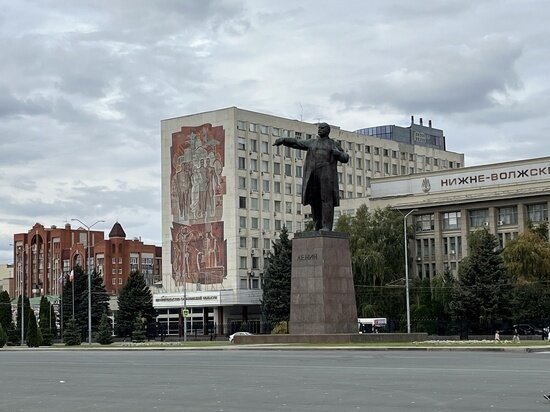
pixel 289 380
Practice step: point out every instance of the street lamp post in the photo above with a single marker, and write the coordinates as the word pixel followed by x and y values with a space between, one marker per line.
pixel 89 277
pixel 407 270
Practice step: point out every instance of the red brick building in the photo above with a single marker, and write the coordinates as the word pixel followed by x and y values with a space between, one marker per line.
pixel 43 256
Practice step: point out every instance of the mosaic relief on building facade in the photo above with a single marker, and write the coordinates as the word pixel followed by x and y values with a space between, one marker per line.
pixel 196 195
pixel 196 182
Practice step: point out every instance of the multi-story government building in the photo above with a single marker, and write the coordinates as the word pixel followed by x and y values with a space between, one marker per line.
pixel 447 205
pixel 227 192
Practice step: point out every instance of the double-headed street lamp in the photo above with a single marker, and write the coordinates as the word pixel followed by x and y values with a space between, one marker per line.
pixel 89 267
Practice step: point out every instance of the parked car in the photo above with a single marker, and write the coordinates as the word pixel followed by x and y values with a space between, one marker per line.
pixel 232 337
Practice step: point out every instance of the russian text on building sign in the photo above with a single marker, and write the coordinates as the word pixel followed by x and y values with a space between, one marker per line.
pixel 481 178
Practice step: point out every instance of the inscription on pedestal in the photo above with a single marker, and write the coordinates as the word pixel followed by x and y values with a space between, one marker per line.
pixel 322 293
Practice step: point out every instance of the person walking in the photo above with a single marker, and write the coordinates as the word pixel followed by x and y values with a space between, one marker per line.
pixel 516 336
pixel 497 336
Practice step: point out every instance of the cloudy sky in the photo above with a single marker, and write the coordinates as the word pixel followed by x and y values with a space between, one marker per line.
pixel 84 85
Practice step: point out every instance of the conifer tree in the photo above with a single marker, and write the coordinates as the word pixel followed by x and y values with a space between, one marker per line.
pixel 14 338
pixel 104 335
pixel 100 299
pixel 26 314
pixel 71 335
pixel 34 337
pixel 44 321
pixel 3 336
pixel 481 292
pixel 276 290
pixel 135 297
pixel 5 310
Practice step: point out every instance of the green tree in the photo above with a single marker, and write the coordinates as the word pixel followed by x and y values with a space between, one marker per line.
pixel 71 335
pixel 481 295
pixel 100 300
pixel 135 297
pixel 5 310
pixel 14 338
pixel 46 312
pixel 527 257
pixel 376 244
pixel 33 335
pixel 3 336
pixel 275 301
pixel 103 335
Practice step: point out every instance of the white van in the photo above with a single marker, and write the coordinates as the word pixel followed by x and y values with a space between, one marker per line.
pixel 371 325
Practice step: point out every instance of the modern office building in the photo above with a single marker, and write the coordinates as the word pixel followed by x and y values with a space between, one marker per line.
pixel 227 192
pixel 44 256
pixel 504 197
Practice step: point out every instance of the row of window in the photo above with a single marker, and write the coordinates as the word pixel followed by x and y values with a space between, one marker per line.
pixel 268 186
pixel 507 215
pixel 452 247
pixel 266 224
pixel 253 203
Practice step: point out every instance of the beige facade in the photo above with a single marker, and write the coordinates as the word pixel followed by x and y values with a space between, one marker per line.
pixel 7 279
pixel 239 191
pixel 504 198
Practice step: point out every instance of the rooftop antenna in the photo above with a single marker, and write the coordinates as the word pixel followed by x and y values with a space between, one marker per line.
pixel 301 112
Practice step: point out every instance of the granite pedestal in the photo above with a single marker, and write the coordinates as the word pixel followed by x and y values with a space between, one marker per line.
pixel 322 299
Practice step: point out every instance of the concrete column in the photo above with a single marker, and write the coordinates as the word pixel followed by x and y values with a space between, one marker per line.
pixel 522 217
pixel 439 258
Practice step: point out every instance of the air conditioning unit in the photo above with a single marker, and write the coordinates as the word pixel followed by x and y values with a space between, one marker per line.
pixel 452 252
pixel 500 222
pixel 485 223
pixel 419 259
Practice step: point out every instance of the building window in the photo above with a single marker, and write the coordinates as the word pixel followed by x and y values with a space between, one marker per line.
pixel 113 281
pixel 359 164
pixel 275 131
pixel 277 187
pixel 242 182
pixel 537 213
pixel 288 207
pixel 120 281
pixel 265 186
pixel 265 147
pixel 242 202
pixel 276 168
pixel 265 205
pixel 254 184
pixel 253 203
pixel 255 262
pixel 385 152
pixel 267 243
pixel 479 218
pixel 251 127
pixel 242 222
pixel 263 129
pixel 242 241
pixel 377 166
pixel 265 166
pixel 242 262
pixel 254 165
pixel 288 188
pixel 278 206
pixel 393 169
pixel 254 223
pixel 255 283
pixel 425 222
pixel 298 170
pixel 243 283
pixel 241 143
pixel 350 179
pixel 277 224
pixel 242 163
pixel 265 224
pixel 508 215
pixel 241 125
pixel 288 170
pixel 253 145
pixel 255 242
pixel 288 225
pixel 451 220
